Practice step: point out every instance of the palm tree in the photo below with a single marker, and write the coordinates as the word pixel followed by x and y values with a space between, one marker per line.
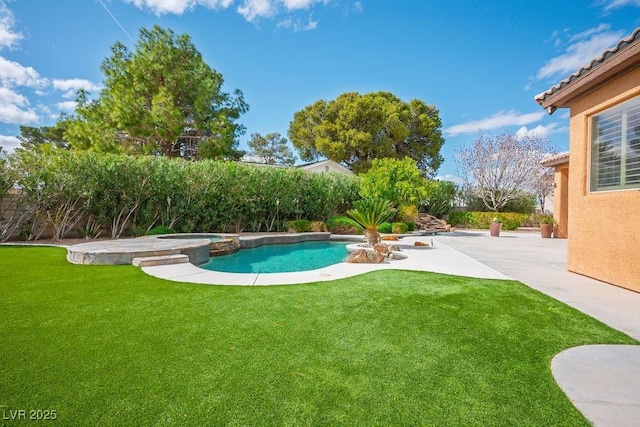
pixel 370 213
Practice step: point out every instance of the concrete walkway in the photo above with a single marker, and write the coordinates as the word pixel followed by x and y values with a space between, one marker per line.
pixel 602 381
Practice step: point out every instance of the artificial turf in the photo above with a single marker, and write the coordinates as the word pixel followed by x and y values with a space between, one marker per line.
pixel 109 345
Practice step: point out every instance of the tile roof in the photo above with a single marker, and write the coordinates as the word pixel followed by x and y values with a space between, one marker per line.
pixel 587 69
pixel 556 159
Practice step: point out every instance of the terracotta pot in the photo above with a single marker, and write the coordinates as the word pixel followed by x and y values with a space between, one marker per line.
pixel 546 230
pixel 494 228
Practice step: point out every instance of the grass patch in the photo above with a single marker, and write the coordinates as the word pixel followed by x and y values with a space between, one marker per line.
pixel 109 345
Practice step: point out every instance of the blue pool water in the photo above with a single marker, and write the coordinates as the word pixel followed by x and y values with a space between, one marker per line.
pixel 280 258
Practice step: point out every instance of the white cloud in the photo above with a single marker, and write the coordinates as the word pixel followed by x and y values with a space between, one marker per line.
pixel 9 143
pixel 615 4
pixel 71 86
pixel 8 37
pixel 583 48
pixel 499 120
pixel 297 26
pixel 301 4
pixel 67 105
pixel 14 74
pixel 539 131
pixel 14 108
pixel 253 9
pixel 74 84
pixel 178 7
pixel 586 33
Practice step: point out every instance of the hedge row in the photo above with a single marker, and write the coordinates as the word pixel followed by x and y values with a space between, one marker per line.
pixel 117 194
pixel 510 220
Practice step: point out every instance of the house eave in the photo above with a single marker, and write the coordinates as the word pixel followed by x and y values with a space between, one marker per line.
pixel 613 62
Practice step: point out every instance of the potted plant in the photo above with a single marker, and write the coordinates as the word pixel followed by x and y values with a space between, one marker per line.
pixel 495 226
pixel 546 225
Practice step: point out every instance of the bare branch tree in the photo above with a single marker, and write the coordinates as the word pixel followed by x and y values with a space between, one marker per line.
pixel 544 185
pixel 496 169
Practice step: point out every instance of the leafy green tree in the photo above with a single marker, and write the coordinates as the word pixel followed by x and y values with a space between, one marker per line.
pixel 370 213
pixel 271 149
pixel 161 98
pixel 354 129
pixel 34 137
pixel 440 198
pixel 397 180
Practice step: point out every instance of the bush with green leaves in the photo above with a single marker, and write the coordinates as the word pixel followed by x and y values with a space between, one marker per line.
pixel 161 229
pixel 510 220
pixel 385 228
pixel 440 198
pixel 399 227
pixel 343 225
pixel 299 226
pixel 121 194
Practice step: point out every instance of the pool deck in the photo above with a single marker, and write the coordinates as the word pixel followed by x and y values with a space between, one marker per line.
pixel 439 259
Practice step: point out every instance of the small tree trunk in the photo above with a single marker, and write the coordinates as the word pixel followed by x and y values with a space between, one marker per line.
pixel 371 236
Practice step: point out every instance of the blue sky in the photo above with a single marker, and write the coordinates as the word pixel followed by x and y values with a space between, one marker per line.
pixel 480 63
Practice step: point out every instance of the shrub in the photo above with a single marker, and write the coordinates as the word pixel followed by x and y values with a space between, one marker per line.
pixel 408 213
pixel 385 227
pixel 299 226
pixel 411 226
pixel 343 225
pixel 440 198
pixel 510 220
pixel 162 229
pixel 123 193
pixel 317 226
pixel 459 218
pixel 399 228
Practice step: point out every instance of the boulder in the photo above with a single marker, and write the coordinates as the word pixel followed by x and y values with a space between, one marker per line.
pixel 382 248
pixel 390 237
pixel 362 256
pixel 420 244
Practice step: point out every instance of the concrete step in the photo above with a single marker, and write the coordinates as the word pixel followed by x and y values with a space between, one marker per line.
pixel 152 261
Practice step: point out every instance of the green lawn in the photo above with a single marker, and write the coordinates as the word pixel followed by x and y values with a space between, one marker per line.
pixel 112 346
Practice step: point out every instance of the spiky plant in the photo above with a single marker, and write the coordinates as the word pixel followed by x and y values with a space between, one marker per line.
pixel 370 213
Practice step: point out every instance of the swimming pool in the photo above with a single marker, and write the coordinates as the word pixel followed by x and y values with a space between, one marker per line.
pixel 280 258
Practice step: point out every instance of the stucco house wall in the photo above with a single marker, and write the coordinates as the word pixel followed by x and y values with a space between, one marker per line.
pixel 603 230
pixel 604 242
pixel 561 201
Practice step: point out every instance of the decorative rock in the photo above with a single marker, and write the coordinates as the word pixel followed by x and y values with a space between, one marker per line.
pixel 390 237
pixel 420 244
pixel 382 249
pixel 362 256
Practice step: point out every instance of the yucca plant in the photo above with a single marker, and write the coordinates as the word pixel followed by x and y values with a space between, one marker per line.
pixel 370 213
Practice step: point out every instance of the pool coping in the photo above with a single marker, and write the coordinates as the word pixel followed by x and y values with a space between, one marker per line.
pixel 196 246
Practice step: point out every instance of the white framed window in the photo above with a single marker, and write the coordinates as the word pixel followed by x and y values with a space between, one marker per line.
pixel 615 147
